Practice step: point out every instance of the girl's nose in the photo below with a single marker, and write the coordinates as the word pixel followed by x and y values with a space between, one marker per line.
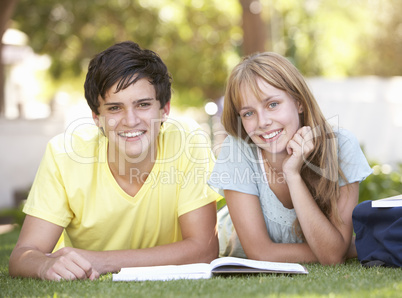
pixel 264 119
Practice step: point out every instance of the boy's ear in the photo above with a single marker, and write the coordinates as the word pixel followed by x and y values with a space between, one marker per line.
pixel 166 111
pixel 96 119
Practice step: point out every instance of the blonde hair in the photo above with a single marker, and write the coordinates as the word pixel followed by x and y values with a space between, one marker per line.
pixel 320 171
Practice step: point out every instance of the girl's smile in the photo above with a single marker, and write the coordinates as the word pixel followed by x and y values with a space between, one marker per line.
pixel 271 118
pixel 271 136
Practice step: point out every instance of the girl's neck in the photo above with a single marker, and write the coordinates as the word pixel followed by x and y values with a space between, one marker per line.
pixel 274 160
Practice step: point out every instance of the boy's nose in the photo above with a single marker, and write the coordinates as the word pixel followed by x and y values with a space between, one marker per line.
pixel 131 119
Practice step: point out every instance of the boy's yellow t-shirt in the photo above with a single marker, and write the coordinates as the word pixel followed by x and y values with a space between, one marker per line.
pixel 74 188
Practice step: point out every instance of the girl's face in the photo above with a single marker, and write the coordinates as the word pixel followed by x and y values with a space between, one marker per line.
pixel 272 121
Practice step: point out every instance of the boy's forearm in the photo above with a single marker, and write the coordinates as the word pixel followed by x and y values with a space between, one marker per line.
pixel 183 252
pixel 26 262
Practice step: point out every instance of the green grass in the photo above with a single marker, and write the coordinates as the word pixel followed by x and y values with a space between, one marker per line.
pixel 349 280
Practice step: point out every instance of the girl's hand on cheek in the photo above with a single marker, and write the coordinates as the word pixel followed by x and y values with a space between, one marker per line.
pixel 298 148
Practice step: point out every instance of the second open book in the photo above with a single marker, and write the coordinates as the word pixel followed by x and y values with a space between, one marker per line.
pixel 395 201
pixel 220 266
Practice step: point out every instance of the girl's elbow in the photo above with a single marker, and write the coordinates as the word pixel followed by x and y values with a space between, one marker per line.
pixel 331 260
pixel 258 254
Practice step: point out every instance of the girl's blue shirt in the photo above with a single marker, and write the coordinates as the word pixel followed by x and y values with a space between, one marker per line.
pixel 239 167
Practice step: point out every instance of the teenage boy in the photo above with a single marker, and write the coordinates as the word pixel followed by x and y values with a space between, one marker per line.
pixel 130 191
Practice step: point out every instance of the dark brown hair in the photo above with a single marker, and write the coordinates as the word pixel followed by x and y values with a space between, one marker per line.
pixel 125 63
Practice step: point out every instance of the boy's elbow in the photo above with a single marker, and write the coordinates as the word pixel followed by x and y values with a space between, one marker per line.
pixel 212 253
pixel 11 267
pixel 12 271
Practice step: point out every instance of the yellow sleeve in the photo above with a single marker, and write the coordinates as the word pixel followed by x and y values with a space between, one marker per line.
pixel 47 198
pixel 196 164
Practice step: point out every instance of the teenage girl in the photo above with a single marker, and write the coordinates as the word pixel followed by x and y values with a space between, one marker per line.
pixel 290 180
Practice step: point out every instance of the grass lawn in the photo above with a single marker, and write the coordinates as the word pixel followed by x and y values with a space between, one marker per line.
pixel 349 280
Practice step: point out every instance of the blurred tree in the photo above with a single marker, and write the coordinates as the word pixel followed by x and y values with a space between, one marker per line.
pixel 316 35
pixel 201 40
pixel 337 38
pixel 6 11
pixel 194 37
pixel 383 50
pixel 254 29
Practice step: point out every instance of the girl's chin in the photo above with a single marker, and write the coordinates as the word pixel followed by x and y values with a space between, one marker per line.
pixel 272 148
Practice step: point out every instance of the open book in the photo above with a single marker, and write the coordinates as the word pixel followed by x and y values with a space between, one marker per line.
pixel 395 201
pixel 220 266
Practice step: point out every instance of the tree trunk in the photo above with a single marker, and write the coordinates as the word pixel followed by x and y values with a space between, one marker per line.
pixel 6 11
pixel 254 31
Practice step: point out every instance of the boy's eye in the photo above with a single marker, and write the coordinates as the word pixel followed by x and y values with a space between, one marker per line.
pixel 113 108
pixel 144 104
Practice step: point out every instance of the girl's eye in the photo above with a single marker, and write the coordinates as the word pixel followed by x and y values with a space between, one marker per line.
pixel 273 104
pixel 247 114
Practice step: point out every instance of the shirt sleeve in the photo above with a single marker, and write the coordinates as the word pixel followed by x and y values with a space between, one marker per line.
pixel 195 166
pixel 351 158
pixel 236 168
pixel 47 198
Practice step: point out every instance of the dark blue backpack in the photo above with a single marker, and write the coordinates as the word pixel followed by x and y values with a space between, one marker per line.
pixel 378 235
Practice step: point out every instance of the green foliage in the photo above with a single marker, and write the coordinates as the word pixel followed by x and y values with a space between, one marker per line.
pixel 337 38
pixel 383 43
pixel 349 280
pixel 14 214
pixel 194 38
pixel 200 40
pixel 382 183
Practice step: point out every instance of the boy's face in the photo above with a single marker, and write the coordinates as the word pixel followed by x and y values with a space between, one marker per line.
pixel 131 120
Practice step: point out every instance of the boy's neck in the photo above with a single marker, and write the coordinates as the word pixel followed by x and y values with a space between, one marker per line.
pixel 130 174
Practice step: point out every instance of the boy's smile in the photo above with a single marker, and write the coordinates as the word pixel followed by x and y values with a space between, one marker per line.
pixel 131 120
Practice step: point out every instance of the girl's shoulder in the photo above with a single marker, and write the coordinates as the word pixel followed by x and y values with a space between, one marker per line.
pixel 344 134
pixel 237 150
pixel 346 139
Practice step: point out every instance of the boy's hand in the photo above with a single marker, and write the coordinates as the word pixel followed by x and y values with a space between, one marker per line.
pixel 67 264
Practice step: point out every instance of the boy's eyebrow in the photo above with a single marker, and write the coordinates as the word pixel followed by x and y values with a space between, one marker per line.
pixel 134 102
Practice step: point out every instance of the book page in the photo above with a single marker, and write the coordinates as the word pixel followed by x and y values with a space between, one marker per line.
pixel 226 265
pixel 395 201
pixel 262 265
pixel 169 272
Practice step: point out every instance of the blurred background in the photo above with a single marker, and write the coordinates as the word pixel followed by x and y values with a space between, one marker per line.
pixel 350 52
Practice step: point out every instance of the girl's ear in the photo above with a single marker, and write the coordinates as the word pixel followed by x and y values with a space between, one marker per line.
pixel 300 108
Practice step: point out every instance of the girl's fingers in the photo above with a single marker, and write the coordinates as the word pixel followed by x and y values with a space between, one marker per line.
pixel 304 138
